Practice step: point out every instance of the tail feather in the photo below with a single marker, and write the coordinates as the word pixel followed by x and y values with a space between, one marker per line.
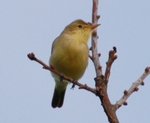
pixel 58 98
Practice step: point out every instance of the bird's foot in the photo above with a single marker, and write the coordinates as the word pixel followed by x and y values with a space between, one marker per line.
pixel 73 85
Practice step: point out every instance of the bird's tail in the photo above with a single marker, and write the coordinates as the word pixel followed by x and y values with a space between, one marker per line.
pixel 58 98
pixel 59 93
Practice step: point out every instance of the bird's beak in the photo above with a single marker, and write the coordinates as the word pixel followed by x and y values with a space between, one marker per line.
pixel 94 26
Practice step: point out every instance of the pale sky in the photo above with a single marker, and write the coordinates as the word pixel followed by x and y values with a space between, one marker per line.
pixel 26 89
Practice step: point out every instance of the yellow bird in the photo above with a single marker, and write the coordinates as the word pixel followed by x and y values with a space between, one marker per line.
pixel 69 56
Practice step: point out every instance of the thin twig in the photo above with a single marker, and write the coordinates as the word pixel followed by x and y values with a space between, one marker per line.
pixel 94 49
pixel 31 56
pixel 132 89
pixel 111 59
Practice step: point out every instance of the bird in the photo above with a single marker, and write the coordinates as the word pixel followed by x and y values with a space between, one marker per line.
pixel 69 56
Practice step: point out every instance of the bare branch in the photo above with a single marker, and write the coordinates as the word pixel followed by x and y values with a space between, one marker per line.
pixel 94 49
pixel 101 88
pixel 111 59
pixel 100 80
pixel 132 89
pixel 31 56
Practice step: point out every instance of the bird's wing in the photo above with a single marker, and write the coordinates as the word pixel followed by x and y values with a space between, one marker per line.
pixel 53 44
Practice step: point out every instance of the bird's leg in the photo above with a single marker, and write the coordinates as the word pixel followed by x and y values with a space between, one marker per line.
pixel 73 85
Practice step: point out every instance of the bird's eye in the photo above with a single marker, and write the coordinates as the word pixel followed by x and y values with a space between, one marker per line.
pixel 80 26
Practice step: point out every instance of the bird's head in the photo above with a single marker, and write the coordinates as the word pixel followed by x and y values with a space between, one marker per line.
pixel 80 29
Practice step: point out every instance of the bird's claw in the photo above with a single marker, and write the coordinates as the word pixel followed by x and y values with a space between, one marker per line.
pixel 73 85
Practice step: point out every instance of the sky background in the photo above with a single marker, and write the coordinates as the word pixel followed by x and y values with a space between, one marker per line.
pixel 26 89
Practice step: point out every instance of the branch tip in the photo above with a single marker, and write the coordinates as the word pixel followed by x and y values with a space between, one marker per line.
pixel 147 69
pixel 115 49
pixel 99 55
pixel 125 103
pixel 136 89
pixel 142 83
pixel 125 92
pixel 31 56
pixel 98 17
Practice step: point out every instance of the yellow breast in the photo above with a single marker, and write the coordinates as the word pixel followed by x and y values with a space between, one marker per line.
pixel 70 57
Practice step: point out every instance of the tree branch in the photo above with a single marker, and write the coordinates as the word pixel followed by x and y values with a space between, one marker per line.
pixel 101 89
pixel 111 59
pixel 31 56
pixel 95 55
pixel 132 89
pixel 101 80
